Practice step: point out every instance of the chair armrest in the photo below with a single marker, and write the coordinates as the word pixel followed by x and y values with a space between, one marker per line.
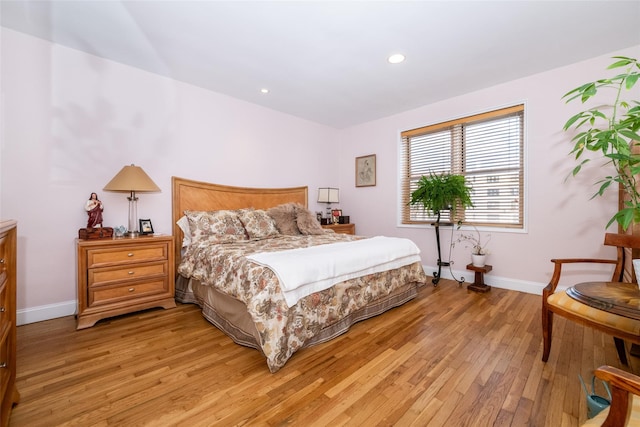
pixel 623 386
pixel 557 270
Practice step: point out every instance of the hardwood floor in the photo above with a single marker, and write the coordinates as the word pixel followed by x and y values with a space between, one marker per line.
pixel 449 358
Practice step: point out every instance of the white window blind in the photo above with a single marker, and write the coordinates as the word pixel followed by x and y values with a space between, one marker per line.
pixel 487 149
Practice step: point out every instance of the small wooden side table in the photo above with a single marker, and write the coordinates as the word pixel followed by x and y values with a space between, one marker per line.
pixel 478 284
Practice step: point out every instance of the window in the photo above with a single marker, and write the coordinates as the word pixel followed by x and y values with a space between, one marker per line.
pixel 487 149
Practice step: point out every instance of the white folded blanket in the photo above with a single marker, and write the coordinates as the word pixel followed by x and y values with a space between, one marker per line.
pixel 304 271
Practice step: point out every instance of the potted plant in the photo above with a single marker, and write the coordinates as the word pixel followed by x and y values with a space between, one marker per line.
pixel 479 250
pixel 611 129
pixel 439 192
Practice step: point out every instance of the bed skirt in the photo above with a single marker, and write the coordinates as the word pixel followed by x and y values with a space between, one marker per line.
pixel 231 317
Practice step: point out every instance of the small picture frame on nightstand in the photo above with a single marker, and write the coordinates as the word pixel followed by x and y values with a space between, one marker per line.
pixel 335 214
pixel 146 227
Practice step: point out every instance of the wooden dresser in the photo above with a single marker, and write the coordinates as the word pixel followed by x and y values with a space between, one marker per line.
pixel 8 245
pixel 342 228
pixel 123 275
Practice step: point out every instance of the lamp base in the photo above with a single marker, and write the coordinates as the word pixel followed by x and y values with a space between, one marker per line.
pixel 132 234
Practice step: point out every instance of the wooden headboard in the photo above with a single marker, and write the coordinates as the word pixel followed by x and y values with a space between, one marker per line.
pixel 203 196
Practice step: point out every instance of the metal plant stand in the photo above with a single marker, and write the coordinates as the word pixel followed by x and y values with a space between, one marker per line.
pixel 438 274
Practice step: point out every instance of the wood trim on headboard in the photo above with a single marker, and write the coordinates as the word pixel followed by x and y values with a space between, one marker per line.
pixel 203 196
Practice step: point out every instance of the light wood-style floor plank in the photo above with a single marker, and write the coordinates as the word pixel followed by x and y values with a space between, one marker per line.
pixel 449 358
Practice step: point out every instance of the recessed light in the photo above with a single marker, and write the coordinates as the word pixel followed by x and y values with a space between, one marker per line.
pixel 396 58
pixel 264 90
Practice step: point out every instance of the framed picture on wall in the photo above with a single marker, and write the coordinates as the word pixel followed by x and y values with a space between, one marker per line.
pixel 366 171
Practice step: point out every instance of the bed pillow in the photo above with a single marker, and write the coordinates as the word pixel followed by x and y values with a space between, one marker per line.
pixel 285 218
pixel 258 224
pixel 307 221
pixel 215 226
pixel 183 223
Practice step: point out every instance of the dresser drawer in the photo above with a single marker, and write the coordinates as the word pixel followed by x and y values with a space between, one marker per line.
pixel 126 292
pixel 4 304
pixel 4 257
pixel 100 257
pixel 102 276
pixel 5 360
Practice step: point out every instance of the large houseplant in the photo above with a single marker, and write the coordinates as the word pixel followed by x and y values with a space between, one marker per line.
pixel 439 192
pixel 611 130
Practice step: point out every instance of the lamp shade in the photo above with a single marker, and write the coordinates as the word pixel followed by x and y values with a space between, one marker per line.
pixel 132 178
pixel 328 195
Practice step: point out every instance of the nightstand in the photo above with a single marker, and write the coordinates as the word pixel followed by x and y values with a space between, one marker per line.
pixel 342 228
pixel 123 275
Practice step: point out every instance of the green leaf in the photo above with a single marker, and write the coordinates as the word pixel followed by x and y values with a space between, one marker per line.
pixel 588 92
pixel 602 189
pixel 572 120
pixel 624 61
pixel 627 217
pixel 630 134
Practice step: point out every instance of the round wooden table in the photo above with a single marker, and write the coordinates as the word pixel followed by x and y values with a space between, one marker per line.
pixel 614 297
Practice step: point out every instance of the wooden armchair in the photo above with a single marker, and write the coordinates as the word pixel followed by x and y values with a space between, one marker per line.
pixel 620 327
pixel 625 402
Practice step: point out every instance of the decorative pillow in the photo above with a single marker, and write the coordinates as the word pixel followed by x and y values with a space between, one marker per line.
pixel 285 218
pixel 215 226
pixel 183 223
pixel 258 223
pixel 307 221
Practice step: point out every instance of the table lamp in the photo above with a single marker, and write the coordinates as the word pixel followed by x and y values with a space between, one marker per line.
pixel 131 179
pixel 328 195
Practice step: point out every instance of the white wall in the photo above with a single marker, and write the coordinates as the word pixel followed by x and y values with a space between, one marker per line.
pixel 561 220
pixel 70 121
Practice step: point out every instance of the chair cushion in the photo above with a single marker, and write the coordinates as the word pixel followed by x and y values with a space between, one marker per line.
pixel 565 302
pixel 634 420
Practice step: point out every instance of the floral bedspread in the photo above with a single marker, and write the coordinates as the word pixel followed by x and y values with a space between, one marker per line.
pixel 282 329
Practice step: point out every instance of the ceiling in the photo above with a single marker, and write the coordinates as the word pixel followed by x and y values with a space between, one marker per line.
pixel 326 61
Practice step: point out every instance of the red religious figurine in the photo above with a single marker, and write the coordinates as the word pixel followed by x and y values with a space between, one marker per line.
pixel 94 209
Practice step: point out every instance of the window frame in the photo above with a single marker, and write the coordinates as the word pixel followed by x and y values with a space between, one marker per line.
pixel 404 182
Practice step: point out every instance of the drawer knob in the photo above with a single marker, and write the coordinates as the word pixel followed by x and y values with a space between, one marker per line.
pixel 132 289
pixel 131 272
pixel 1 260
pixel 3 365
pixel 2 309
pixel 130 254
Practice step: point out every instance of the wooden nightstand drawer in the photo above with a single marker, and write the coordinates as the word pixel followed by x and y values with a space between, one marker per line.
pixel 130 254
pixel 341 228
pixel 126 292
pixel 101 276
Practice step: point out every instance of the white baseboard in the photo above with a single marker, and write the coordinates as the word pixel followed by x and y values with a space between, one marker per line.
pixel 489 279
pixel 45 312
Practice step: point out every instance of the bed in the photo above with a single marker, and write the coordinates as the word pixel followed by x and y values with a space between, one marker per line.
pixel 249 299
